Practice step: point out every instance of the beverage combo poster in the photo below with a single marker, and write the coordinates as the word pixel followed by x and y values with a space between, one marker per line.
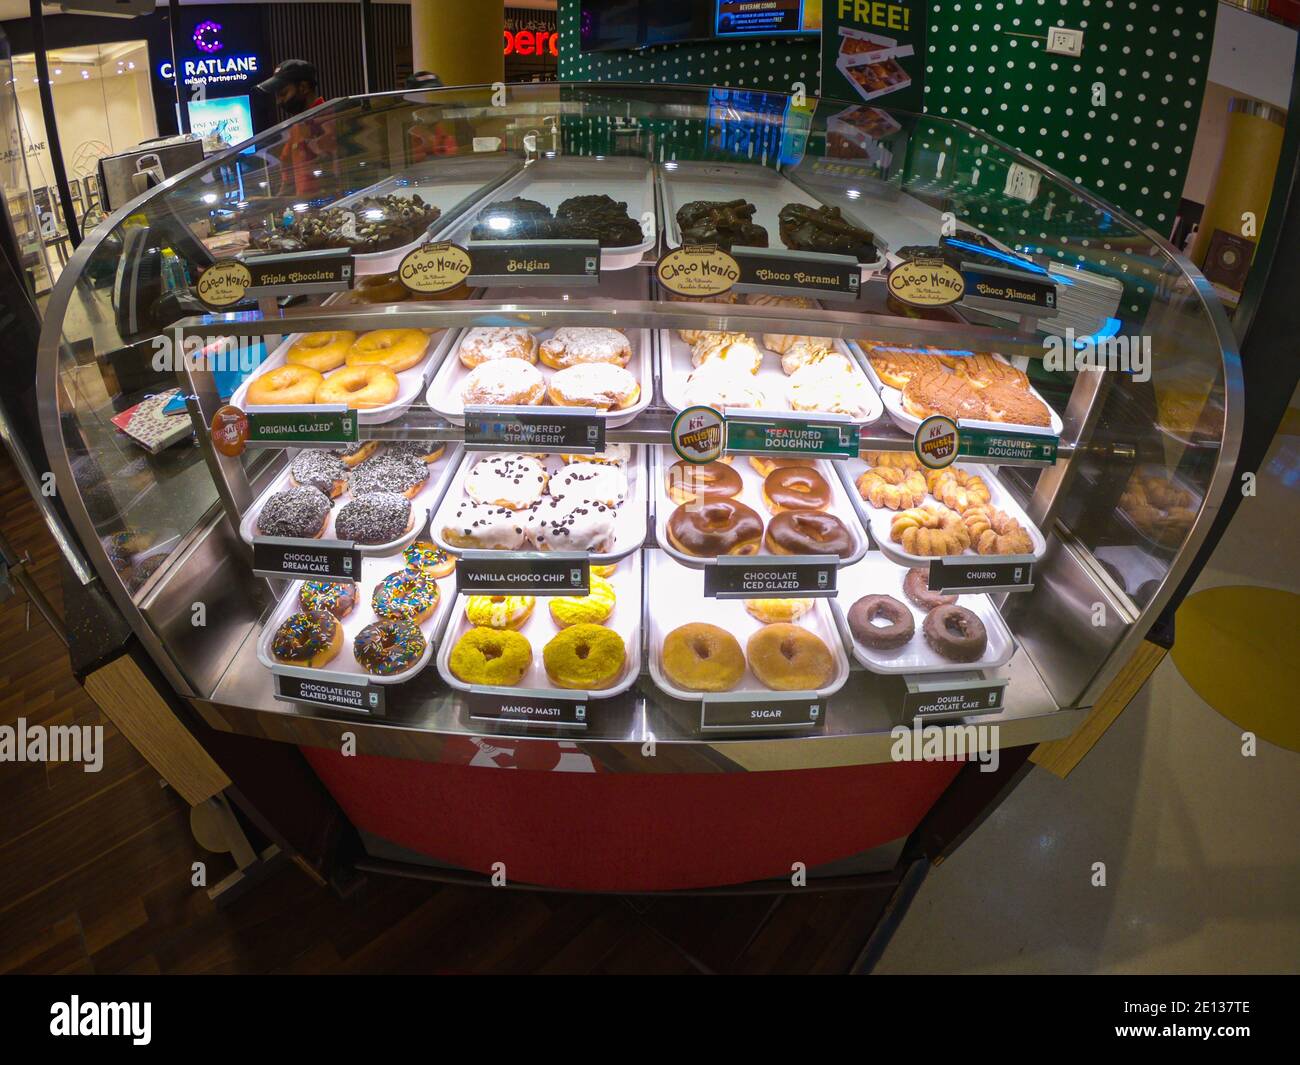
pixel 873 51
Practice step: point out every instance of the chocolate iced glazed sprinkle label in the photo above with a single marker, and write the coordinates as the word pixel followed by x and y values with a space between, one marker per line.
pixel 752 711
pixel 958 696
pixel 300 686
pixel 794 576
pixel 312 560
pixel 796 273
pixel 831 440
pixel 558 711
pixel 963 574
pixel 557 429
pixel 534 262
pixel 522 573
pixel 280 426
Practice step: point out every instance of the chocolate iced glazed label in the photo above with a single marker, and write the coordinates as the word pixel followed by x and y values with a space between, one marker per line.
pixel 553 429
pixel 534 262
pixel 697 270
pixel 523 573
pixel 958 696
pixel 793 576
pixel 830 440
pixel 797 273
pixel 312 560
pixel 434 267
pixel 300 686
pixel 962 574
pixel 752 711
pixel 926 283
pixel 558 711
pixel 315 425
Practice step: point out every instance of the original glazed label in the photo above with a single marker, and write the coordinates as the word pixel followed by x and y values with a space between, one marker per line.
pixel 559 711
pixel 793 576
pixel 754 711
pixel 523 573
pixel 959 574
pixel 926 283
pixel 224 283
pixel 534 262
pixel 434 267
pixel 997 446
pixel 1008 289
pixel 959 698
pixel 935 442
pixel 315 425
pixel 549 429
pixel 699 435
pixel 300 686
pixel 300 272
pixel 697 270
pixel 283 556
pixel 831 440
pixel 797 273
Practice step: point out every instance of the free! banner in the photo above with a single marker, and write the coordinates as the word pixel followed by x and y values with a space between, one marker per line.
pixel 874 51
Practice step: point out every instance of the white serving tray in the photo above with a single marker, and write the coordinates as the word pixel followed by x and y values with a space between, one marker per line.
pixel 877 575
pixel 1152 469
pixel 345 667
pixel 428 497
pixel 684 602
pixel 552 181
pixel 410 383
pixel 444 394
pixel 540 628
pixel 751 494
pixel 878 519
pixel 675 367
pixel 681 183
pixel 893 400
pixel 630 528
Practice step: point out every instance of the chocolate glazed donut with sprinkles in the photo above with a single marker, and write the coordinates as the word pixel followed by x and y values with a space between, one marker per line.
pixel 388 647
pixel 405 595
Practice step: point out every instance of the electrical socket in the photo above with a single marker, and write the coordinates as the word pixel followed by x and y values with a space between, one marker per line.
pixel 1062 41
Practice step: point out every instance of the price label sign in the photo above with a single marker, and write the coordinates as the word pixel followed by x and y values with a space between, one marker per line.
pixel 534 262
pixel 797 273
pixel 310 425
pixel 952 695
pixel 553 709
pixel 783 436
pixel 959 574
pixel 789 577
pixel 523 573
pixel 281 557
pixel 308 686
pixel 752 712
pixel 295 272
pixel 558 429
pixel 994 446
pixel 996 289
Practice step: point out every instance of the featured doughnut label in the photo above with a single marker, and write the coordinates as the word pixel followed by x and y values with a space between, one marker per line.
pixel 956 695
pixel 557 711
pixel 998 445
pixel 744 711
pixel 697 270
pixel 551 429
pixel 434 267
pixel 995 289
pixel 282 556
pixel 314 425
pixel 523 573
pixel 958 574
pixel 296 685
pixel 797 273
pixel 926 282
pixel 793 576
pixel 829 440
pixel 534 262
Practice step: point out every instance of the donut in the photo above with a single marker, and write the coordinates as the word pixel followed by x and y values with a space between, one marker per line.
pixel 493 657
pixel 929 531
pixel 427 560
pixel 796 488
pixel 808 532
pixel 389 472
pixel 702 658
pixel 602 385
pixel 498 611
pixel 982 370
pixel 503 382
pixel 955 633
pixel 899 625
pixel 374 518
pixel 901 460
pixel 916 586
pixel 572 524
pixel 321 470
pixel 896 366
pixel 338 597
pixel 806 351
pixel 488 343
pixel 426 451
pixel 485 527
pixel 937 391
pixel 892 487
pixel 736 350
pixel 715 527
pixel 285 386
pixel 717 384
pixel 830 386
pixel 359 387
pixel 602 482
pixel 320 351
pixel 405 595
pixel 593 608
pixel 382 288
pixel 765 464
pixel 584 656
pixel 394 350
pixel 389 646
pixel 572 345
pixel 957 489
pixel 298 512
pixel 772 610
pixel 616 454
pixel 307 638
pixel 713 480
pixel 1007 403
pixel 356 454
pixel 604 571
pixel 514 481
pixel 995 532
pixel 789 658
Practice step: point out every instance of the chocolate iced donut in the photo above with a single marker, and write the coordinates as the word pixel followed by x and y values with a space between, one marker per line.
pixel 715 527
pixel 808 532
pixel 796 488
pixel 863 614
pixel 955 633
pixel 916 590
pixel 374 518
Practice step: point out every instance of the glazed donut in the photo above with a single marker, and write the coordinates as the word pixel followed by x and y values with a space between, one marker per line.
pixel 789 658
pixel 995 532
pixel 586 657
pixel 319 469
pixel 285 386
pixel 702 658
pixel 892 487
pixel 338 597
pixel 307 638
pixel 405 595
pixel 296 512
pixel 808 532
pixel 916 588
pixel 593 608
pixel 899 625
pixel 382 288
pixel 772 610
pixel 714 480
pixel 796 488
pixel 358 387
pixel 765 464
pixel 957 488
pixel 498 611
pixel 929 531
pixel 715 527
pixel 955 633
pixel 427 560
pixel 602 385
pixel 503 382
pixel 390 646
pixel 320 351
pixel 494 657
pixel 394 350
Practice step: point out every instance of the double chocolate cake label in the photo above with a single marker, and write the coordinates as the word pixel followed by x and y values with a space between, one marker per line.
pixel 801 576
pixel 797 273
pixel 307 686
pixel 746 711
pixel 551 429
pixel 788 436
pixel 313 426
pixel 697 270
pixel 534 262
pixel 993 288
pixel 523 573
pixel 959 574
pixel 998 445
pixel 281 557
pixel 926 282
pixel 541 707
pixel 954 695
pixel 434 267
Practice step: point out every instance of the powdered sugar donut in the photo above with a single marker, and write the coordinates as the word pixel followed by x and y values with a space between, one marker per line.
pixel 572 524
pixel 514 481
pixel 830 386
pixel 572 345
pixel 483 526
pixel 717 385
pixel 593 384
pixel 603 482
pixel 511 382
pixel 487 344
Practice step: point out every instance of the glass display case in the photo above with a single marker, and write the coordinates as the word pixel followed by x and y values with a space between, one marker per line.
pixel 748 425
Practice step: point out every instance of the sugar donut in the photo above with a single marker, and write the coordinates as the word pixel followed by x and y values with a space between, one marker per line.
pixel 702 658
pixel 359 387
pixel 789 658
pixel 285 386
pixel 394 350
pixel 320 351
pixel 572 345
pixel 585 657
pixel 489 343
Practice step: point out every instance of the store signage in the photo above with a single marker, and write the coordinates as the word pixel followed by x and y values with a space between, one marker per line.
pixel 559 710
pixel 954 695
pixel 786 577
pixel 313 425
pixel 298 272
pixel 935 442
pixel 308 686
pixel 532 42
pixel 960 574
pixel 998 445
pixel 993 288
pixel 229 431
pixel 282 557
pixel 523 573
pixel 434 267
pixel 221 70
pixel 699 435
pixel 926 282
pixel 553 429
pixel 534 262
pixel 224 283
pixel 697 270
pixel 797 273
pixel 785 436
pixel 746 711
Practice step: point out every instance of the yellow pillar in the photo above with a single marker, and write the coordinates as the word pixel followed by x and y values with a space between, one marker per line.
pixel 459 40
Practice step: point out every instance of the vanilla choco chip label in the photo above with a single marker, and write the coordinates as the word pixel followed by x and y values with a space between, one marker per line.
pixel 522 573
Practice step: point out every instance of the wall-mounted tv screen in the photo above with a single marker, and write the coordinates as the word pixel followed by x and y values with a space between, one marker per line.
pixel 767 18
pixel 609 25
pixel 626 25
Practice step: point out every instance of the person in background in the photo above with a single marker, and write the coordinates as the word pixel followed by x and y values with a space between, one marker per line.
pixel 440 138
pixel 309 152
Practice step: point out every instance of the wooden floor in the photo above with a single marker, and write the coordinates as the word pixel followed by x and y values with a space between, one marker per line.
pixel 95 873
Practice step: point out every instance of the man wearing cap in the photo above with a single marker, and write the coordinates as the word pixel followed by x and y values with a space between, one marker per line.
pixel 308 153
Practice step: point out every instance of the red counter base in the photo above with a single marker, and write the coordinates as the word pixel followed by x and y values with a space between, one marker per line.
pixel 597 831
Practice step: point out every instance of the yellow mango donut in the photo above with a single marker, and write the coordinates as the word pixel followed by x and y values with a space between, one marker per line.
pixel 359 387
pixel 321 352
pixel 285 386
pixel 498 611
pixel 393 349
pixel 592 608
pixel 585 657
pixel 495 657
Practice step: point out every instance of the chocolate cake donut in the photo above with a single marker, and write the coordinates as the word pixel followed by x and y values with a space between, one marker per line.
pixel 955 633
pixel 899 628
pixel 916 588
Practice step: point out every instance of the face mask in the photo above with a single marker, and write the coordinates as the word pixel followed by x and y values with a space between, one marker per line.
pixel 295 105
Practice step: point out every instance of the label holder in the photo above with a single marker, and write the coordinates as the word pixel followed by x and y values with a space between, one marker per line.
pixel 343 557
pixel 843 274
pixel 577 562
pixel 566 700
pixel 719 711
pixel 721 573
pixel 940 577
pixel 924 688
pixel 567 262
pixel 368 698
pixel 346 419
pixel 972 432
pixel 487 428
pixel 763 421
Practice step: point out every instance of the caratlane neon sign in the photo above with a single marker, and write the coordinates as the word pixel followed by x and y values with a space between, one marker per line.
pixel 231 68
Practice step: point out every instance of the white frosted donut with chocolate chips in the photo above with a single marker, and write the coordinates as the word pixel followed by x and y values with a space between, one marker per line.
pixel 602 482
pixel 572 524
pixel 514 481
pixel 485 527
